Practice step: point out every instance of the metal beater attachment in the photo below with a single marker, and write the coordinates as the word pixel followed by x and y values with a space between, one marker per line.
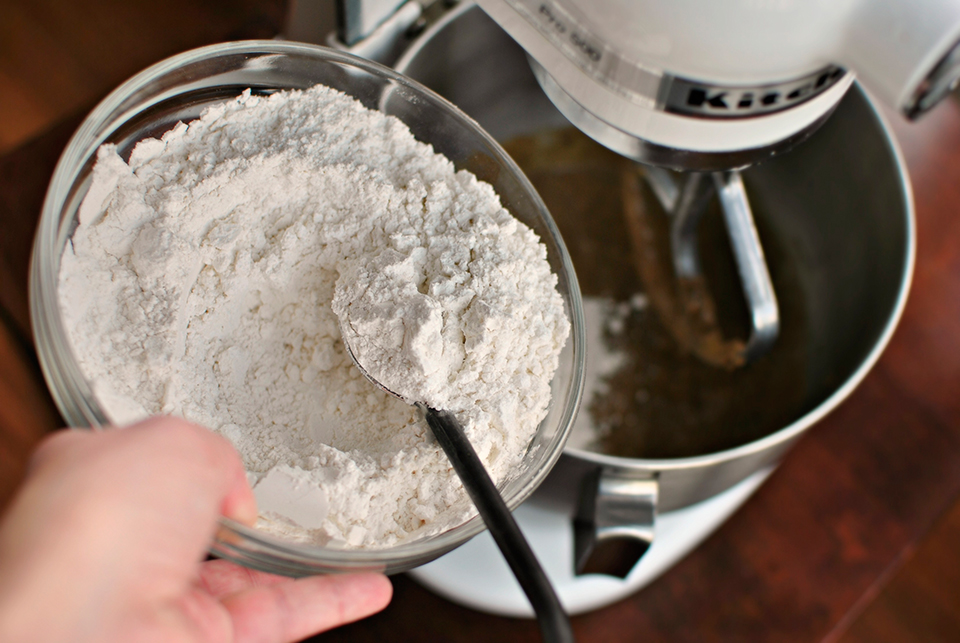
pixel 682 299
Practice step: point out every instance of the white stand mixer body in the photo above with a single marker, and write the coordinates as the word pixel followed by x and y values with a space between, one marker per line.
pixel 727 75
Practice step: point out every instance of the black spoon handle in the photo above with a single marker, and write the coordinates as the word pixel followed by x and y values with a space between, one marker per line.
pixel 554 624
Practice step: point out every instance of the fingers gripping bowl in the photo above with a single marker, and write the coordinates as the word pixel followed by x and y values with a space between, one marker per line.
pixel 178 90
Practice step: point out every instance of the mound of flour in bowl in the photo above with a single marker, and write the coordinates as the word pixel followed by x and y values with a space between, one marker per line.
pixel 200 280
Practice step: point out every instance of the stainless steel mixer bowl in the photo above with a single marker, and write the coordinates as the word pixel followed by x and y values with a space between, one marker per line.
pixel 841 199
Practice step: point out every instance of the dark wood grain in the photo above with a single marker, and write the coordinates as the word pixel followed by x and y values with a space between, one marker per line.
pixel 920 603
pixel 24 176
pixel 26 410
pixel 830 548
pixel 57 57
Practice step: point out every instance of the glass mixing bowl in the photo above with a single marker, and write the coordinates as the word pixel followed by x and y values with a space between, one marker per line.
pixel 179 89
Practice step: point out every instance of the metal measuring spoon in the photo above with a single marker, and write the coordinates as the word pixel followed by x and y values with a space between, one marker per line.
pixel 553 620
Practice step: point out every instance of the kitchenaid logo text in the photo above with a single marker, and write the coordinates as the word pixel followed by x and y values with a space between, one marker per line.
pixel 693 98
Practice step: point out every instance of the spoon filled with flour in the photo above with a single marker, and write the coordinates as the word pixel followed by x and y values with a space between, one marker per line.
pixel 390 327
pixel 201 278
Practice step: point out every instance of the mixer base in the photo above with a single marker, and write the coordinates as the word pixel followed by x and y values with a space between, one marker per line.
pixel 476 576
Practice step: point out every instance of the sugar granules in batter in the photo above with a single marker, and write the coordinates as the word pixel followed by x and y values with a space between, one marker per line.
pixel 200 281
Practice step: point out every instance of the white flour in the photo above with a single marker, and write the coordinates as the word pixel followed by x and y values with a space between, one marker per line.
pixel 601 316
pixel 200 279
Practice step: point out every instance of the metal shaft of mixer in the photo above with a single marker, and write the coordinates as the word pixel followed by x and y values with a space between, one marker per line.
pixel 685 205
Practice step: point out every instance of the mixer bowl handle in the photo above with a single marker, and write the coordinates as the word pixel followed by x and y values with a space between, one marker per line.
pixel 613 526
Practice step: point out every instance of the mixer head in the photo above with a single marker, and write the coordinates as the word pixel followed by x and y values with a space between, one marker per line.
pixel 720 85
pixel 714 87
pixel 700 86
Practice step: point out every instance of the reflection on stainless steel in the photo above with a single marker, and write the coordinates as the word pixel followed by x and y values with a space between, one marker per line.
pixel 685 221
pixel 613 526
pixel 387 37
pixel 751 264
pixel 359 18
pixel 663 186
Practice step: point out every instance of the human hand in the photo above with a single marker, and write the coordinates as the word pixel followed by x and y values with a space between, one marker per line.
pixel 106 537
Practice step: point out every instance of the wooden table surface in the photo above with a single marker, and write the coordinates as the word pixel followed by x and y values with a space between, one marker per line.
pixel 805 555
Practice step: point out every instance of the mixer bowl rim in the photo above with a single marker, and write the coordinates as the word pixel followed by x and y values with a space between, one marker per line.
pixel 793 430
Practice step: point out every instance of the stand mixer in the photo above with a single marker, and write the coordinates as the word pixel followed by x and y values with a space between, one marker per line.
pixel 695 92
